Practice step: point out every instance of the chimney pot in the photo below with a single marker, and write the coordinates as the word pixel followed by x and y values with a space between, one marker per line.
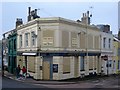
pixel 29 10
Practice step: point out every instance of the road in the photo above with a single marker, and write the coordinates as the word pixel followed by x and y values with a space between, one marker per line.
pixel 8 84
pixel 99 83
pixel 112 82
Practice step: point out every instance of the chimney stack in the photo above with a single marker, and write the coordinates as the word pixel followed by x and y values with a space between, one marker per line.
pixel 35 11
pixel 29 13
pixel 87 13
pixel 86 19
pixel 18 22
pixel 29 10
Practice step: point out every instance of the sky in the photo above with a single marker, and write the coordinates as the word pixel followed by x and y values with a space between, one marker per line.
pixel 119 15
pixel 102 12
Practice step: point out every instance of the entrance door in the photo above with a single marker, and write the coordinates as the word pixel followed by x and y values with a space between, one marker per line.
pixel 76 71
pixel 46 70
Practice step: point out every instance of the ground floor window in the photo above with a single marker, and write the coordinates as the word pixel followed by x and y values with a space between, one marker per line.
pixel 66 65
pixel 82 68
pixel 31 64
pixel 90 62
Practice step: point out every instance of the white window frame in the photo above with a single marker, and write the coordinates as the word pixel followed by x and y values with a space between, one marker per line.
pixel 109 43
pixel 21 42
pixel 26 39
pixel 104 42
pixel 33 40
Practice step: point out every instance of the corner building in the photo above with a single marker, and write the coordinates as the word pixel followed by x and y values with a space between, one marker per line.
pixel 57 48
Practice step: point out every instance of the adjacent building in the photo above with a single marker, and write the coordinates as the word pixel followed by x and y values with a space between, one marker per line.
pixel 9 50
pixel 116 63
pixel 106 49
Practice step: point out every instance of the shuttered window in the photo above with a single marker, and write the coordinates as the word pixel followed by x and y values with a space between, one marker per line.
pixel 95 62
pixel 90 63
pixel 66 65
pixel 31 64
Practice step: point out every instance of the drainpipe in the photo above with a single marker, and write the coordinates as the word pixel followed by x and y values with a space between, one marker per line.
pixel 2 60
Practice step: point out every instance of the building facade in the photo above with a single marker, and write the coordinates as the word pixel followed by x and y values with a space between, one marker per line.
pixel 116 66
pixel 12 51
pixel 107 51
pixel 57 48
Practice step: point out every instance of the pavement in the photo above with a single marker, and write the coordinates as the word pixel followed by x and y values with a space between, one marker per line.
pixel 31 80
pixel 55 82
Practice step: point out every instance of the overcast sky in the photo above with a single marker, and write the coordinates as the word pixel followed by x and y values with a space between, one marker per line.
pixel 103 12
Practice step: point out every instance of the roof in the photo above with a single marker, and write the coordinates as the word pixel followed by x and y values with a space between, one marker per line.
pixel 116 39
pixel 55 20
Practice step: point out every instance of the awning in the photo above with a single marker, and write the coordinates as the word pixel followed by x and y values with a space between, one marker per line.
pixel 30 54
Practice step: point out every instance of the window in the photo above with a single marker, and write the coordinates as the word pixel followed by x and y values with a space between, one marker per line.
pixel 109 43
pixel 33 38
pixel 82 64
pixel 66 65
pixel 26 39
pixel 74 42
pixel 48 41
pixel 114 65
pixel 31 64
pixel 20 40
pixel 104 40
pixel 15 44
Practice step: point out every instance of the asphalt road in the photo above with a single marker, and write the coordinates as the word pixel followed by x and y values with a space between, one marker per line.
pixel 8 84
pixel 105 83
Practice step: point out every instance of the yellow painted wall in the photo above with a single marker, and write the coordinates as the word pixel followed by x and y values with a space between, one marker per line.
pixel 115 56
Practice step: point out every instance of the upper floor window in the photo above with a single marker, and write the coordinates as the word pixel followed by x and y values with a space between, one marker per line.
pixel 33 36
pixel 74 42
pixel 48 41
pixel 104 42
pixel 109 43
pixel 20 40
pixel 14 44
pixel 26 39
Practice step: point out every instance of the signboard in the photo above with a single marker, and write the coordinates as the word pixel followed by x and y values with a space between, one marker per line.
pixel 55 68
pixel 104 57
pixel 29 54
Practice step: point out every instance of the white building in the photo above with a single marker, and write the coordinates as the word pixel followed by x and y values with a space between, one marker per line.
pixel 107 52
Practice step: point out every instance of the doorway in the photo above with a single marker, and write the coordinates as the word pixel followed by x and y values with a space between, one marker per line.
pixel 47 68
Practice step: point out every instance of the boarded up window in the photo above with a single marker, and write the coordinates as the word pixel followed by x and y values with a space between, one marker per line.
pixel 48 38
pixel 90 41
pixel 74 42
pixel 95 62
pixel 74 39
pixel 66 65
pixel 65 39
pixel 31 64
pixel 90 63
pixel 48 41
pixel 82 41
pixel 96 42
